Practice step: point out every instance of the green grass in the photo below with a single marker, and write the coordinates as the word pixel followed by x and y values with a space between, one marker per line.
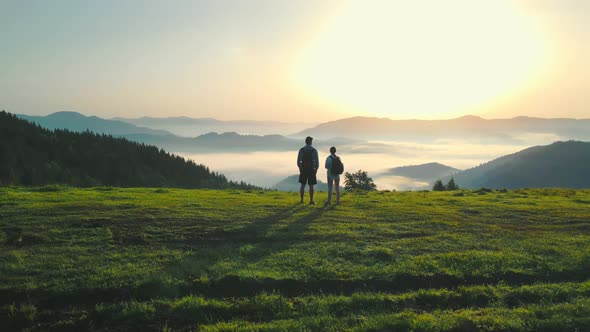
pixel 169 259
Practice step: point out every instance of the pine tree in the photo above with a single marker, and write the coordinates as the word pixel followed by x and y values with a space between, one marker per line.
pixel 438 186
pixel 451 185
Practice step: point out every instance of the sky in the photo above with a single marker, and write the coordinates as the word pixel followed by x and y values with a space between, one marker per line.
pixel 296 60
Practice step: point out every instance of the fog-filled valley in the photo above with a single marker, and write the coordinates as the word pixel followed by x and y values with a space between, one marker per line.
pixel 266 168
pixel 397 154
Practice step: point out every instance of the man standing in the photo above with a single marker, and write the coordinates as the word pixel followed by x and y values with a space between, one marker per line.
pixel 308 163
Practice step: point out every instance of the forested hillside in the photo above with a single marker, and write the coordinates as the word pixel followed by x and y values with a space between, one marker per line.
pixel 561 164
pixel 31 155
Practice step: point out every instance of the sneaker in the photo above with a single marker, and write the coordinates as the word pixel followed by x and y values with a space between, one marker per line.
pixel 301 202
pixel 312 203
pixel 327 203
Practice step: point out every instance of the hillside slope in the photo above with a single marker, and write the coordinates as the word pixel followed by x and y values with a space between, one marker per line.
pixel 561 164
pixel 31 155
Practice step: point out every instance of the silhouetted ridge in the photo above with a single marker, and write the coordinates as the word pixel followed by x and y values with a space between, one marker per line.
pixel 75 121
pixel 561 164
pixel 32 155
pixel 467 127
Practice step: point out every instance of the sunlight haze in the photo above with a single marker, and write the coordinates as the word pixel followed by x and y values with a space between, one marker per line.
pixel 303 60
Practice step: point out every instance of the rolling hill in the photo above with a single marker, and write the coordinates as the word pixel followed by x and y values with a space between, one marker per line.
pixel 466 127
pixel 74 121
pixel 424 172
pixel 561 164
pixel 209 142
pixel 31 155
pixel 191 127
pixel 214 142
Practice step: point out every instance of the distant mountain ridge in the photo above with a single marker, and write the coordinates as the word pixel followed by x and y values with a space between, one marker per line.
pixel 213 142
pixel 472 127
pixel 561 164
pixel 191 127
pixel 209 142
pixel 75 121
pixel 425 172
pixel 32 155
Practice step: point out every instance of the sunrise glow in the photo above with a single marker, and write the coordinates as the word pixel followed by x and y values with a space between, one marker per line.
pixel 422 58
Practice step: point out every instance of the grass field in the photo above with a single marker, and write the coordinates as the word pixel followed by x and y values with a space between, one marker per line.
pixel 168 259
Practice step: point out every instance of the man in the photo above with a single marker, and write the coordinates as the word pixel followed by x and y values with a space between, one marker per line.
pixel 333 175
pixel 308 163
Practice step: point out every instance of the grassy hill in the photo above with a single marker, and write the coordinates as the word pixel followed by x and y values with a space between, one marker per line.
pixel 172 259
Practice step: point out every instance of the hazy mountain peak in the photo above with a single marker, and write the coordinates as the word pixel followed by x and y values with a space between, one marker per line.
pixel 470 117
pixel 71 114
pixel 75 121
pixel 425 172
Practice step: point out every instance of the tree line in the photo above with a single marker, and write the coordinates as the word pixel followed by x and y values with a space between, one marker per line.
pixel 32 155
pixel 439 186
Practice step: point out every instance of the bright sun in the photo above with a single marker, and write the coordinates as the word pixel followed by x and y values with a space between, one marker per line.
pixel 422 58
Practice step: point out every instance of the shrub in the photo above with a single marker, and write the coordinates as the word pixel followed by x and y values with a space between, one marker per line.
pixel 358 181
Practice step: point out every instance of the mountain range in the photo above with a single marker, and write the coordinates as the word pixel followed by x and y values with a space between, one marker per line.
pixel 191 127
pixel 75 121
pixel 209 142
pixel 214 142
pixel 562 164
pixel 471 127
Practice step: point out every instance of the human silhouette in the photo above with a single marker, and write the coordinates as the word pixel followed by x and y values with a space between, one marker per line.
pixel 308 164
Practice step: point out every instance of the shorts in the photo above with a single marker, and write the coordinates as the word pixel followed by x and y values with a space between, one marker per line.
pixel 308 177
pixel 332 177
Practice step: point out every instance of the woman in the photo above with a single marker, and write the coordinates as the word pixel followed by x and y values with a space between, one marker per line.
pixel 332 163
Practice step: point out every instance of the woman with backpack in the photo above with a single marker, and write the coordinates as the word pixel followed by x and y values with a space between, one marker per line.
pixel 334 168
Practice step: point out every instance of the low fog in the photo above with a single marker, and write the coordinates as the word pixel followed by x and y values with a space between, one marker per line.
pixel 268 167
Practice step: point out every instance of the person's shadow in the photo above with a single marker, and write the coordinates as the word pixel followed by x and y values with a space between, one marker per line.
pixel 254 242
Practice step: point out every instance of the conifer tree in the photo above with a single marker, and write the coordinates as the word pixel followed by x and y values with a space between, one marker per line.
pixel 438 186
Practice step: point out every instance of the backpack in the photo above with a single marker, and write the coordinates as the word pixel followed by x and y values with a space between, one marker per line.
pixel 337 166
pixel 307 159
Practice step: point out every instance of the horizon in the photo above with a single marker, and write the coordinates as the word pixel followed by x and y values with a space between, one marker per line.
pixel 120 118
pixel 291 61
